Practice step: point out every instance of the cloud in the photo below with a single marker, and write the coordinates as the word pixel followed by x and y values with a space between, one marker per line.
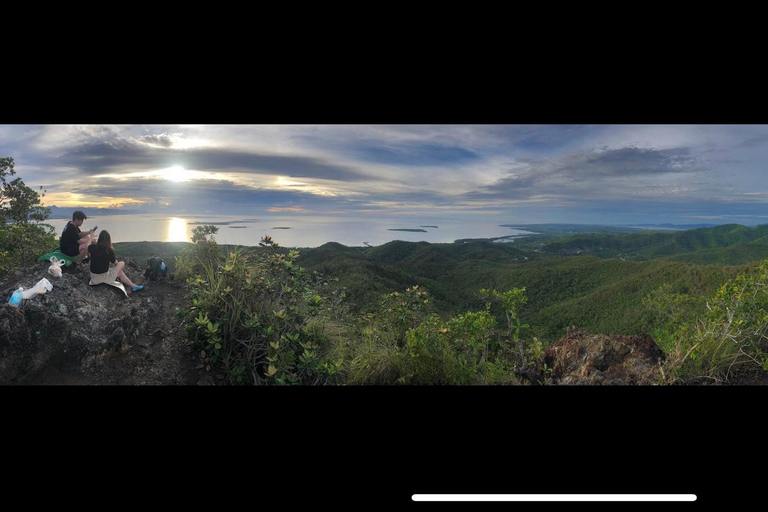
pixel 617 163
pixel 164 140
pixel 647 169
pixel 204 195
pixel 99 157
pixel 595 173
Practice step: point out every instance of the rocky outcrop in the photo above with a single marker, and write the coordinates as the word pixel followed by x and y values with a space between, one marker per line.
pixel 72 327
pixel 580 358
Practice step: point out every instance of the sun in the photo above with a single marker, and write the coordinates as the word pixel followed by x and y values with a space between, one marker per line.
pixel 176 173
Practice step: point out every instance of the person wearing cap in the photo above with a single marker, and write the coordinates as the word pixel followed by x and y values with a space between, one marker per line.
pixel 74 242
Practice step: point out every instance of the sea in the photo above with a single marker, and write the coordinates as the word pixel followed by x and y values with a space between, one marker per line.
pixel 293 231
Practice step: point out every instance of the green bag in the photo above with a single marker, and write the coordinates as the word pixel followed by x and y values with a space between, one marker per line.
pixel 60 255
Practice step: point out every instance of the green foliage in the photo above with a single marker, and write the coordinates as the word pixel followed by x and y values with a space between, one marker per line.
pixel 18 202
pixel 258 317
pixel 600 295
pixel 21 242
pixel 667 311
pixel 266 241
pixel 511 301
pixel 728 244
pixel 200 258
pixel 21 203
pixel 301 334
pixel 403 311
pixel 204 234
pixel 401 342
pixel 726 335
pixel 431 356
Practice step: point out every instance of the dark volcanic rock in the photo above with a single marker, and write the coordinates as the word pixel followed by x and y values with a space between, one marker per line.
pixel 580 358
pixel 72 327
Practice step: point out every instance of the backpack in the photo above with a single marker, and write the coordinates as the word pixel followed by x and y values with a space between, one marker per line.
pixel 156 268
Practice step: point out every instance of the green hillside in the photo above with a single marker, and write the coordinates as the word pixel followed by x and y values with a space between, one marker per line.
pixel 727 244
pixel 603 295
pixel 379 336
pixel 594 289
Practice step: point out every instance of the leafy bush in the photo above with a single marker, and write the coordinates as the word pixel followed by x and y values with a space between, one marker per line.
pixel 258 317
pixel 402 342
pixel 21 242
pixel 728 335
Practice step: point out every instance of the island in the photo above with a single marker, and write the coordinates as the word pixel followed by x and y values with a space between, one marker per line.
pixel 223 223
pixel 428 226
pixel 412 230
pixel 281 227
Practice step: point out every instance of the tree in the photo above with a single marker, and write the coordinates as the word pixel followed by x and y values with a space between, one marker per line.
pixel 19 202
pixel 21 242
pixel 6 168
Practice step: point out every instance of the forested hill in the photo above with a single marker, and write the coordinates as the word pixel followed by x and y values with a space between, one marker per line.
pixel 602 295
pixel 595 290
pixel 728 244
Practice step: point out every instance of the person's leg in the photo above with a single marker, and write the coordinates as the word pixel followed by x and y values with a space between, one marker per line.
pixel 83 244
pixel 121 275
pixel 70 250
pixel 82 253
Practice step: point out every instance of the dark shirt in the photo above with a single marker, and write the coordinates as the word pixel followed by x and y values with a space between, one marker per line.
pixel 70 237
pixel 100 258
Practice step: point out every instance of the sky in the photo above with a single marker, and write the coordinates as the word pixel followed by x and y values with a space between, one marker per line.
pixel 525 174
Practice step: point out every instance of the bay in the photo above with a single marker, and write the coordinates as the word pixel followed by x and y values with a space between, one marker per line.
pixel 291 231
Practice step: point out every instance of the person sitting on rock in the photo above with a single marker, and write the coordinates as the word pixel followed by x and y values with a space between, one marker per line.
pixel 74 242
pixel 104 266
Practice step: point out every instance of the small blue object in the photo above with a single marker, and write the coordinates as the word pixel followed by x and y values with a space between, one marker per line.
pixel 15 298
pixel 162 266
pixel 137 288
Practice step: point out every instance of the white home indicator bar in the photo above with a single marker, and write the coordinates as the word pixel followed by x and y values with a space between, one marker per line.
pixel 554 497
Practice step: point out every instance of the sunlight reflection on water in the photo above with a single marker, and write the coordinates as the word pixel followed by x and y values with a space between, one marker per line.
pixel 177 230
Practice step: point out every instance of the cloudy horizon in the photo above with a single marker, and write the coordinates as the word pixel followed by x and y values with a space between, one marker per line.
pixel 589 174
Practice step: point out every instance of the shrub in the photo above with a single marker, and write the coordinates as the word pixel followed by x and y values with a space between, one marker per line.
pixel 21 242
pixel 730 334
pixel 259 318
pixel 403 343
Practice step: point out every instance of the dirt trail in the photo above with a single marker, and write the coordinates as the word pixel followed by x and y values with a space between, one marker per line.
pixel 157 357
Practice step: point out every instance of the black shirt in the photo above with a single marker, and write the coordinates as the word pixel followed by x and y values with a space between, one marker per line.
pixel 100 258
pixel 70 236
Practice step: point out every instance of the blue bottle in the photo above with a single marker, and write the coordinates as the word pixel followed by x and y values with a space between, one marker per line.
pixel 16 298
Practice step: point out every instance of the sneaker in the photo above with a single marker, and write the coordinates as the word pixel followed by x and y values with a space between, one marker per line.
pixel 137 288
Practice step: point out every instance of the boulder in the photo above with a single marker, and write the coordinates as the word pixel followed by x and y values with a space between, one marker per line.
pixel 580 358
pixel 73 326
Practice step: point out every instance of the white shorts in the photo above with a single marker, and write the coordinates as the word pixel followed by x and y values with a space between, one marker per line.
pixel 107 277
